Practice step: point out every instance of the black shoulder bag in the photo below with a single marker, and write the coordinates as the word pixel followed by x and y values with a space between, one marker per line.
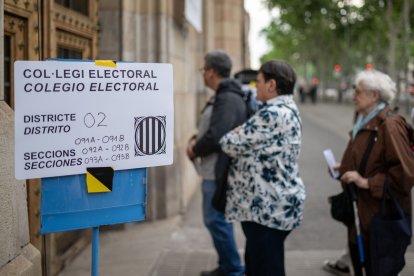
pixel 389 236
pixel 341 204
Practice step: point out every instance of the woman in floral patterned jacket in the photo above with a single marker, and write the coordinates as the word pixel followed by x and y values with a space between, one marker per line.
pixel 265 190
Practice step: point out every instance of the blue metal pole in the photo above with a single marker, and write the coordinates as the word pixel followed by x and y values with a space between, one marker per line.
pixel 95 250
pixel 358 229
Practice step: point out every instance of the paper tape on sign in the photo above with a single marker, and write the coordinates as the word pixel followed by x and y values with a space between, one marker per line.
pixel 108 63
pixel 73 115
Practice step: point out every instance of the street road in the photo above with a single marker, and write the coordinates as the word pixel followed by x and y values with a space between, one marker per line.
pixel 319 237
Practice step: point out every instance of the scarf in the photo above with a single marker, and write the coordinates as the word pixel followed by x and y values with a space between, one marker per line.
pixel 362 121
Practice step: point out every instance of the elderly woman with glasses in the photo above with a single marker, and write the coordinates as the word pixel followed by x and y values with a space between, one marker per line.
pixel 390 158
pixel 265 190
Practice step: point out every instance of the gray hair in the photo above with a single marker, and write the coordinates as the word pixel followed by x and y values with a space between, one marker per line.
pixel 377 81
pixel 220 62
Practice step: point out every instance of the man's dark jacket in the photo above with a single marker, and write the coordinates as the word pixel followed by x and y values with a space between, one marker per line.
pixel 229 112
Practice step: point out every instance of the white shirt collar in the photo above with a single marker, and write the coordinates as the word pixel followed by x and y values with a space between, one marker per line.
pixel 280 99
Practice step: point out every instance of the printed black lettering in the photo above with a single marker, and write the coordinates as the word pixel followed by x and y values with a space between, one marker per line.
pixel 26 73
pixel 92 74
pixel 26 156
pixel 28 87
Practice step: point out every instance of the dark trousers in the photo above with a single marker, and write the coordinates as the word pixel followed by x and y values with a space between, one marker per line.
pixel 264 253
pixel 356 263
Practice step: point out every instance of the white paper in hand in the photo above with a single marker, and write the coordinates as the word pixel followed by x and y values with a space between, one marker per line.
pixel 330 159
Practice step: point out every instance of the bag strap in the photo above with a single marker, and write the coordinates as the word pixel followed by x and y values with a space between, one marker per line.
pixel 387 191
pixel 372 139
pixel 371 142
pixel 246 96
pixel 294 113
pixel 208 103
pixel 362 166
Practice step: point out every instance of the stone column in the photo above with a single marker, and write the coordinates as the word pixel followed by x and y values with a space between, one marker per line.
pixel 17 255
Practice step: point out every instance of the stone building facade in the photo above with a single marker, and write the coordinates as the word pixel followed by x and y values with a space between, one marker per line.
pixel 160 31
pixel 179 32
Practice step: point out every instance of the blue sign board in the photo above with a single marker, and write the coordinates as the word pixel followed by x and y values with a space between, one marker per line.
pixel 67 205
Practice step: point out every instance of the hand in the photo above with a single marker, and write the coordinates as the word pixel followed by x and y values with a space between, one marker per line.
pixel 355 177
pixel 190 153
pixel 336 168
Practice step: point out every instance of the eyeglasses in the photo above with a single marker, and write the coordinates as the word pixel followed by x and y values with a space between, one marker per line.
pixel 202 70
pixel 359 92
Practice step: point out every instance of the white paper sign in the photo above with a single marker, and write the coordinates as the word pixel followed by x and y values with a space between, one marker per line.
pixel 330 159
pixel 73 115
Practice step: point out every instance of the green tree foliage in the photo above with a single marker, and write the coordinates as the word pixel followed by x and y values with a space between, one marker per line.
pixel 314 35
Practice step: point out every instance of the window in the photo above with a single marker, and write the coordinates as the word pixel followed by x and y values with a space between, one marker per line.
pixel 81 6
pixel 15 48
pixel 66 53
pixel 7 70
pixel 178 12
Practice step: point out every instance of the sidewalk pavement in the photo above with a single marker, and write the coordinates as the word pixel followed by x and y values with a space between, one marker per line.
pixel 140 250
pixel 133 250
pixel 143 249
pixel 180 246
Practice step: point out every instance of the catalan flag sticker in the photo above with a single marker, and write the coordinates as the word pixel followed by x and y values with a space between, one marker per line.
pixel 99 180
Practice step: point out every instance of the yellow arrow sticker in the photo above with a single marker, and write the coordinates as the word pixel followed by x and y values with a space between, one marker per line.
pixel 99 180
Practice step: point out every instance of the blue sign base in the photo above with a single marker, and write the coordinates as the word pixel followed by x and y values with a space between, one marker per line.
pixel 66 204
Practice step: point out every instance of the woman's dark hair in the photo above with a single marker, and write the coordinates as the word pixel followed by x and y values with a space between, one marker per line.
pixel 282 73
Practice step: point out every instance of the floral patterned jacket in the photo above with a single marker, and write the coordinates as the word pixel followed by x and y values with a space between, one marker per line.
pixel 264 182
